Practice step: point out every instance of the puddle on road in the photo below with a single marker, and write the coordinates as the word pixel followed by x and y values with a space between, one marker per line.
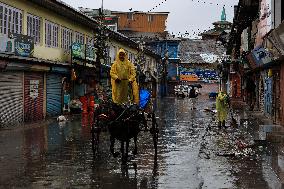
pixel 60 156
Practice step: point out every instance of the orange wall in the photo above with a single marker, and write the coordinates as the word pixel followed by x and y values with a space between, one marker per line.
pixel 140 22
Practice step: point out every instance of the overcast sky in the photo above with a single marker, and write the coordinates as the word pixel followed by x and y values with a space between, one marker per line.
pixel 185 15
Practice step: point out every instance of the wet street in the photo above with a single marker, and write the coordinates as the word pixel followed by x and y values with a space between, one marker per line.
pixel 53 155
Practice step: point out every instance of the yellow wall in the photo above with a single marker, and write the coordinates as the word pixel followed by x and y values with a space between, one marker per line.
pixel 40 51
pixel 55 54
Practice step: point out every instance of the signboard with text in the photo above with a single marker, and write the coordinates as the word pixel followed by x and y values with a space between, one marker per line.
pixel 34 88
pixel 261 56
pixel 78 51
pixel 24 45
pixel 7 44
pixel 90 53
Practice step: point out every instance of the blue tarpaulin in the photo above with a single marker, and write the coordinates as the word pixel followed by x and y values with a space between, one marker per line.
pixel 144 98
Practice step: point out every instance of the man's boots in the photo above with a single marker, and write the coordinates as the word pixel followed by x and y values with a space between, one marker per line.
pixel 219 125
pixel 223 124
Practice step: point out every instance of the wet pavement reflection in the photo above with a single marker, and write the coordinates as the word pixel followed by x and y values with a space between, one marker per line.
pixel 59 155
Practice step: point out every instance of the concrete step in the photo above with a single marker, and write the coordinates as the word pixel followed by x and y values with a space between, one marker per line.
pixel 264 130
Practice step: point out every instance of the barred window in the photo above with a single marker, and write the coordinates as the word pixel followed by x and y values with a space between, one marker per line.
pixel 66 38
pixel 33 27
pixel 79 38
pixel 150 18
pixel 51 34
pixel 10 19
pixel 130 15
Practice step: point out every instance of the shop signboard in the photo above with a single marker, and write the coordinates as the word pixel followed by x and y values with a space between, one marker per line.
pixel 7 44
pixel 24 45
pixel 90 52
pixel 78 51
pixel 261 56
pixel 34 88
pixel 244 46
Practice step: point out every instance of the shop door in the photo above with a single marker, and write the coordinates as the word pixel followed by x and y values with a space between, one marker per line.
pixel 33 97
pixel 11 98
pixel 53 94
pixel 268 96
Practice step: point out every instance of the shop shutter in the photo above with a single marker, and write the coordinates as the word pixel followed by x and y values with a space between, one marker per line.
pixel 11 98
pixel 33 102
pixel 53 94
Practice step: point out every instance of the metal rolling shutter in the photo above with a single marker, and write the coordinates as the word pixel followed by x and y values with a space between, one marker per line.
pixel 11 98
pixel 53 94
pixel 33 97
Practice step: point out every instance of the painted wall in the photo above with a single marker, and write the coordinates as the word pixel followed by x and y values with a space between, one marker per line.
pixel 40 51
pixel 140 22
pixel 164 46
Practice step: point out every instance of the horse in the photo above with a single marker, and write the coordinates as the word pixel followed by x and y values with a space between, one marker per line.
pixel 122 123
pixel 125 127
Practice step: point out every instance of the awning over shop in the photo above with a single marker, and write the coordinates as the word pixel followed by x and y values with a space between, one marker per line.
pixel 62 70
pixel 276 37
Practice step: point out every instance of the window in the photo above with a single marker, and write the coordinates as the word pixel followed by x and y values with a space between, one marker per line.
pixel 66 38
pixel 10 19
pixel 130 16
pixel 150 18
pixel 33 27
pixel 51 34
pixel 79 38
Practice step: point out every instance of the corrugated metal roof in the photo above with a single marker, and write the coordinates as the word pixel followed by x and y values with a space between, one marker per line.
pixel 193 51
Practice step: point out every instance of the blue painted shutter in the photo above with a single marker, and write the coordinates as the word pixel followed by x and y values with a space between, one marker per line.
pixel 53 94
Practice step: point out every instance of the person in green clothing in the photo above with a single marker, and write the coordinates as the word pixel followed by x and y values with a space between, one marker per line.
pixel 222 107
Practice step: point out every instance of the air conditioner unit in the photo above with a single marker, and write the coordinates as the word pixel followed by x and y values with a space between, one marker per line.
pixel 7 45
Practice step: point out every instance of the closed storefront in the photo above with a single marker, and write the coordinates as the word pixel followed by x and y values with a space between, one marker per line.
pixel 11 98
pixel 53 94
pixel 33 97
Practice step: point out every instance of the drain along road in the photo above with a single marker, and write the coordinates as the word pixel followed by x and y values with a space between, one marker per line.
pixel 52 155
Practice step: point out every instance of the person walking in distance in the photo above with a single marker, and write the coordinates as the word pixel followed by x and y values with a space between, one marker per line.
pixel 192 96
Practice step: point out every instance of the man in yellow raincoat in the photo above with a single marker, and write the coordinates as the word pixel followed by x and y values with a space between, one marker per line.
pixel 123 74
pixel 222 106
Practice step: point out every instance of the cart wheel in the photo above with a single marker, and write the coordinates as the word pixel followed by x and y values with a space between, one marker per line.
pixel 154 131
pixel 95 137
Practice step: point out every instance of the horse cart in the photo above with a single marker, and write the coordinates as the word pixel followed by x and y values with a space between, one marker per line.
pixel 123 123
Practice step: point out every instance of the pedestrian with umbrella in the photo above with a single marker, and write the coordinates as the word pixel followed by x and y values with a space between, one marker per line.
pixel 193 94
